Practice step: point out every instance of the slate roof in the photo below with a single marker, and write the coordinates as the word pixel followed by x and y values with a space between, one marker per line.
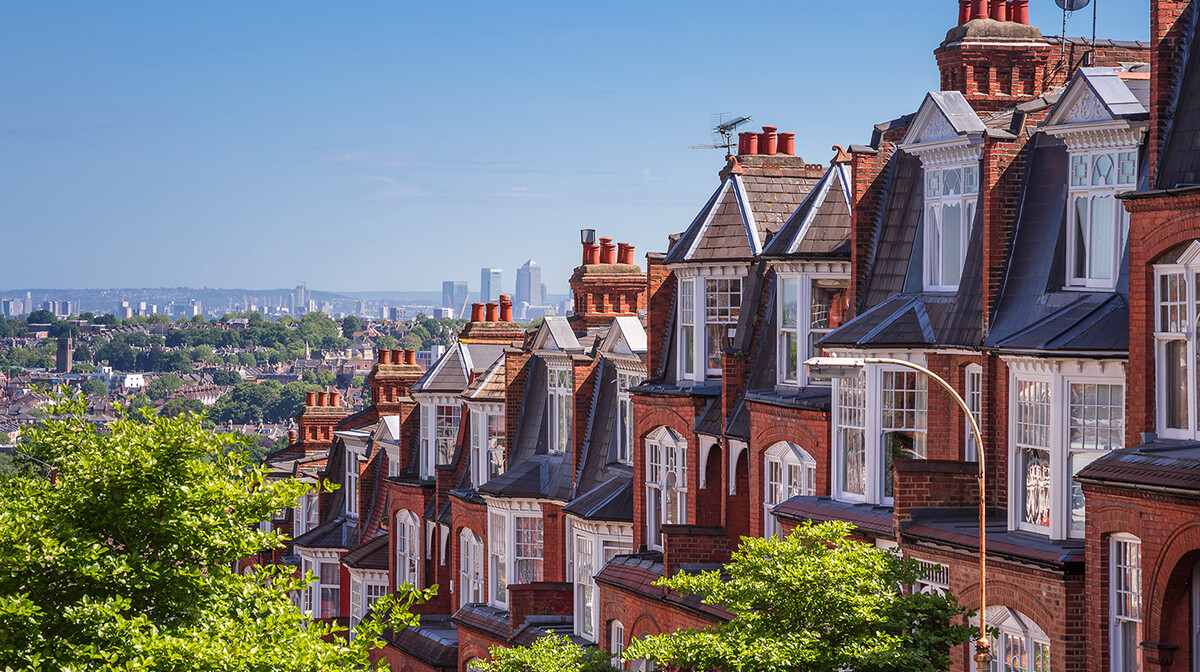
pixel 867 517
pixel 327 535
pixel 820 227
pixel 953 107
pixel 743 213
pixel 960 528
pixel 371 555
pixel 434 641
pixel 451 373
pixel 612 500
pixel 1181 156
pixel 1173 465
pixel 638 572
pixel 489 385
pixel 484 618
pixel 546 476
pixel 1033 312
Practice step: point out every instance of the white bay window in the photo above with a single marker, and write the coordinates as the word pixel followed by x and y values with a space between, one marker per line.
pixel 487 442
pixel 1177 297
pixel 516 543
pixel 560 408
pixel 709 306
pixel 790 471
pixel 440 416
pixel 1125 602
pixel 590 546
pixel 470 568
pixel 1020 645
pixel 880 417
pixel 809 308
pixel 623 432
pixel 408 549
pixel 1060 421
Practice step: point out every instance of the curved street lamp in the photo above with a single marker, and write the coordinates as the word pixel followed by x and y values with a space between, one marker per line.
pixel 846 367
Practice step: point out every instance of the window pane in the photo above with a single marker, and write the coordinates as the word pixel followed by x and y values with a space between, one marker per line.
pixel 1102 173
pixel 1175 384
pixel 687 348
pixel 1081 239
pixel 1103 238
pixel 952 182
pixel 1079 170
pixel 789 352
pixel 1127 168
pixel 790 289
pixel 951 244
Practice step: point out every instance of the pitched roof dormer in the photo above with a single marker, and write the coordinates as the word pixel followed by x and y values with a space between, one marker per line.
pixel 944 129
pixel 625 337
pixel 1099 108
pixel 820 227
pixel 555 333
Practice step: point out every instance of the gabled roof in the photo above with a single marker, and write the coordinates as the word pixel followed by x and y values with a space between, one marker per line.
pixel 1095 95
pixel 488 386
pixel 371 555
pixel 612 500
pixel 555 333
pixel 1097 322
pixel 452 372
pixel 740 217
pixel 943 115
pixel 820 227
pixel 541 476
pixel 626 336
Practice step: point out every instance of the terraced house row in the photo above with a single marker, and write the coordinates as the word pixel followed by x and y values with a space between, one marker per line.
pixel 1030 232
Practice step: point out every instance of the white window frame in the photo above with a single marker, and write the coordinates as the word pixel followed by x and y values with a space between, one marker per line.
pixel 788 471
pixel 1082 176
pixel 807 326
pixel 616 644
pixel 366 587
pixel 666 477
pixel 1019 637
pixel 504 556
pixel 1124 600
pixel 1064 460
pixel 937 202
pixel 353 474
pixel 859 410
pixel 1174 321
pixel 973 386
pixel 471 586
pixel 623 422
pixel 407 534
pixel 487 441
pixel 591 544
pixel 695 317
pixel 320 586
pixel 560 407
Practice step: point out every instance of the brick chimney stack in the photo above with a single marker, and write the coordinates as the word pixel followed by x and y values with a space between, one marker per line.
pixel 1168 36
pixel 607 285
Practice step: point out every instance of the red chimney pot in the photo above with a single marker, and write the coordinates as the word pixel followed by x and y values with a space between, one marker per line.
pixel 767 140
pixel 625 255
pixel 310 398
pixel 964 11
pixel 979 9
pixel 382 355
pixel 1019 11
pixel 492 310
pixel 506 314
pixel 291 436
pixel 477 312
pixel 322 398
pixel 335 399
pixel 410 356
pixel 787 143
pixel 999 10
pixel 591 253
pixel 397 356
pixel 751 142
pixel 607 251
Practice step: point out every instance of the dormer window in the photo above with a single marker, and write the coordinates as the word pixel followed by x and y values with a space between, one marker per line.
pixel 559 407
pixel 708 313
pixel 809 308
pixel 666 483
pixel 439 431
pixel 623 432
pixel 951 194
pixel 1177 291
pixel 487 443
pixel 351 483
pixel 1098 223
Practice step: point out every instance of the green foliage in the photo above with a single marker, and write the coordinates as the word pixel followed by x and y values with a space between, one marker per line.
pixel 118 353
pixel 204 353
pixel 247 359
pixel 226 377
pixel 166 384
pixel 81 354
pixel 358 381
pixel 40 356
pixel 180 405
pixel 551 653
pixel 350 324
pixel 94 388
pixel 322 378
pixel 386 342
pixel 432 332
pixel 268 401
pixel 140 401
pixel 41 317
pixel 813 602
pixel 125 561
pixel 84 368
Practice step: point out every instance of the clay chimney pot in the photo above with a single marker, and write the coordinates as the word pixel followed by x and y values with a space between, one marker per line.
pixel 477 312
pixel 492 311
pixel 999 10
pixel 751 142
pixel 322 398
pixel 291 436
pixel 506 314
pixel 410 356
pixel 607 251
pixel 979 9
pixel 381 355
pixel 310 399
pixel 397 356
pixel 787 143
pixel 335 399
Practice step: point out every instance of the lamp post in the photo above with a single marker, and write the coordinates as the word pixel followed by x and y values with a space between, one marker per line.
pixel 845 367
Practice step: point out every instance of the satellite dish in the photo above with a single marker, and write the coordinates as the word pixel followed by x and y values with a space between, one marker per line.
pixel 1071 5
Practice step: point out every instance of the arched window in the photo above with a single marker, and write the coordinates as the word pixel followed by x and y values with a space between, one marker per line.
pixel 470 568
pixel 1021 646
pixel 1125 602
pixel 788 471
pixel 408 549
pixel 666 483
pixel 616 644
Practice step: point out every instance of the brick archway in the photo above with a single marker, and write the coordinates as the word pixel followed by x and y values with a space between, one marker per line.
pixel 1168 619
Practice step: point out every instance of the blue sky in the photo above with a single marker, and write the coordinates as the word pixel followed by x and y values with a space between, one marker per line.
pixel 393 145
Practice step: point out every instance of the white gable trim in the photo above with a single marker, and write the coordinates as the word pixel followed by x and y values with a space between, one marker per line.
pixel 747 216
pixel 709 217
pixel 820 195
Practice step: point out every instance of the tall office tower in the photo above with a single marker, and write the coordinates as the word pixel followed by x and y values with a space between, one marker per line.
pixel 300 300
pixel 489 285
pixel 529 283
pixel 195 305
pixel 454 294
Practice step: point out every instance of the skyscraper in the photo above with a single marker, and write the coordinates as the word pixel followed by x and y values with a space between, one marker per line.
pixel 489 285
pixel 529 283
pixel 454 295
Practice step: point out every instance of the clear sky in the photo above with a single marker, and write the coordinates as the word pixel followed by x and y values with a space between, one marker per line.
pixel 373 145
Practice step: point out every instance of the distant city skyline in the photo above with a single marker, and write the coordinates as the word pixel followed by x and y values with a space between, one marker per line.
pixel 261 144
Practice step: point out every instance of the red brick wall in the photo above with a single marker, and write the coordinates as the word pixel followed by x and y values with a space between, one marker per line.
pixel 465 514
pixel 924 484
pixel 689 544
pixel 1168 34
pixel 642 615
pixel 411 497
pixel 660 292
pixel 554 543
pixel 1000 184
pixel 770 425
pixel 584 378
pixel 995 76
pixel 516 373
pixel 541 598
pixel 650 413
pixel 947 434
pixel 866 196
pixel 1169 531
pixel 398 661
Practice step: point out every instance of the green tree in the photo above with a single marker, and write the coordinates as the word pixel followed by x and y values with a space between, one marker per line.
pixel 204 353
pixel 226 377
pixel 82 354
pixel 358 381
pixel 551 653
pixel 140 401
pixel 247 359
pixel 125 560
pixel 166 384
pixel 289 402
pixel 94 388
pixel 41 317
pixel 350 324
pixel 84 368
pixel 815 601
pixel 386 342
pixel 180 405
pixel 322 378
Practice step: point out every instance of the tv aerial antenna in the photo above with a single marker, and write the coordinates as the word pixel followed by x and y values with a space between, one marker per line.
pixel 1070 7
pixel 724 126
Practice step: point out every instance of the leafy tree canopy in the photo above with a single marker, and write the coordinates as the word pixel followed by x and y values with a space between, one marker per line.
pixel 94 388
pixel 124 560
pixel 350 324
pixel 551 653
pixel 815 601
pixel 226 377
